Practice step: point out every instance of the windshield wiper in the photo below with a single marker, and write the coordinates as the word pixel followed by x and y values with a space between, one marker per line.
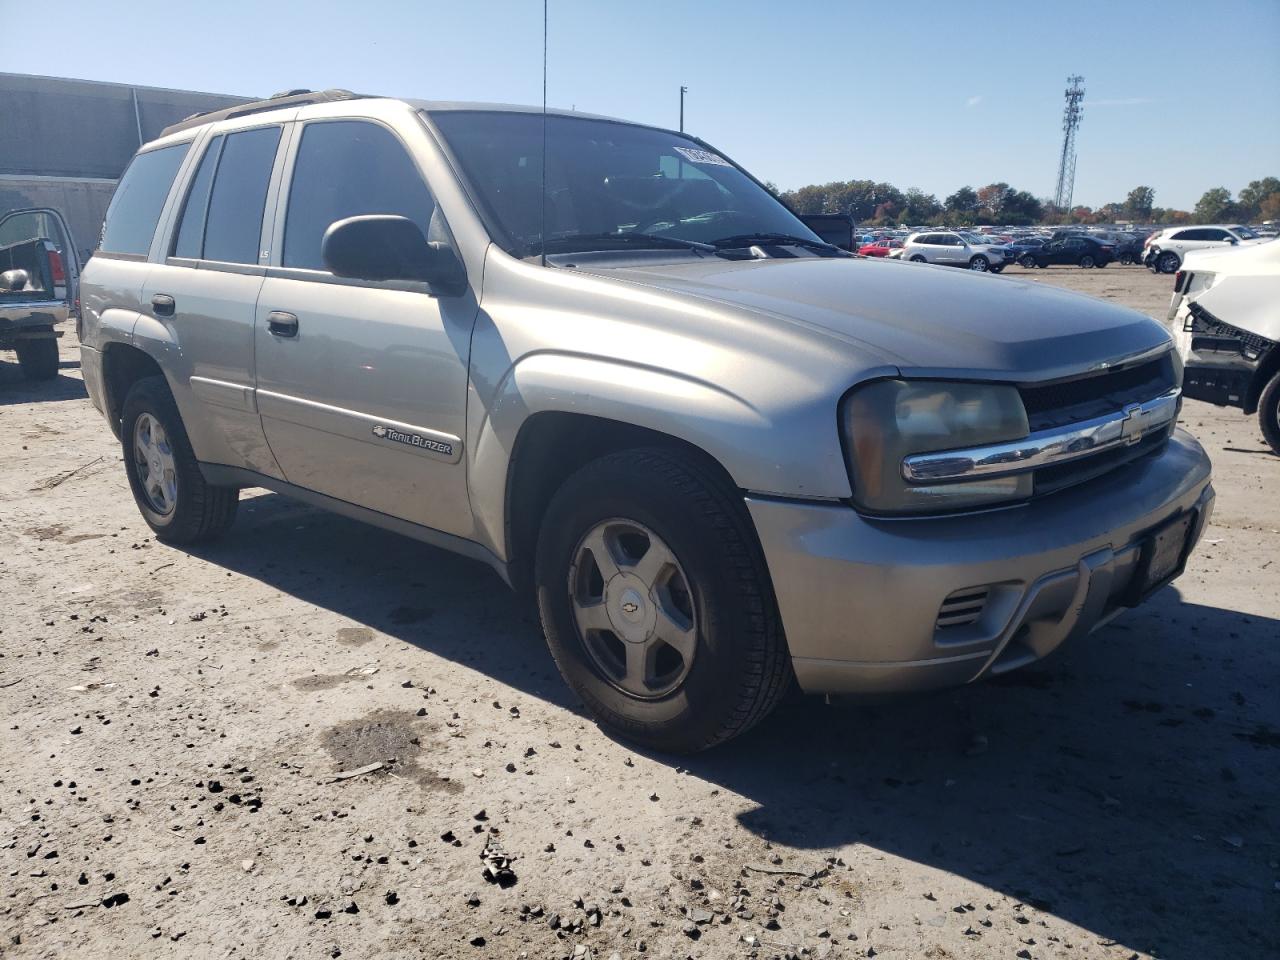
pixel 640 239
pixel 746 239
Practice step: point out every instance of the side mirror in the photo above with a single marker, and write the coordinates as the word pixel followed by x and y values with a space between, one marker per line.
pixel 384 247
pixel 1232 240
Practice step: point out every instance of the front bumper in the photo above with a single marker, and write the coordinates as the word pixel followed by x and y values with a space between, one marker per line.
pixel 860 598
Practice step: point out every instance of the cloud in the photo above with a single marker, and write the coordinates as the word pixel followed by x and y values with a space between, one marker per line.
pixel 973 101
pixel 1119 102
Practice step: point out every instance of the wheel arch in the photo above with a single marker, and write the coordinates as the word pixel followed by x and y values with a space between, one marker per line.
pixel 1267 368
pixel 123 365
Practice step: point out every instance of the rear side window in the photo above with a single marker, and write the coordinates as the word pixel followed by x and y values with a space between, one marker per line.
pixel 139 198
pixel 348 168
pixel 222 215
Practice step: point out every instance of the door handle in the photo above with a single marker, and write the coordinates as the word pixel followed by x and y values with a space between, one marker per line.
pixel 163 305
pixel 281 324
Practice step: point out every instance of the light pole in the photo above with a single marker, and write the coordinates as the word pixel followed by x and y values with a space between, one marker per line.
pixel 683 91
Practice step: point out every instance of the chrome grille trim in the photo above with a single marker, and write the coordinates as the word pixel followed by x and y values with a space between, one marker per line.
pixel 1047 447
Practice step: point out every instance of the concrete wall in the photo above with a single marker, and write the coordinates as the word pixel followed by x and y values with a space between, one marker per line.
pixel 64 143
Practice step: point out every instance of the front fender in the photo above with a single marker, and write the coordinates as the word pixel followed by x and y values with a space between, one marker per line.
pixel 751 446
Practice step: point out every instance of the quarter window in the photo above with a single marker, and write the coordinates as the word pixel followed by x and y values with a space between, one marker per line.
pixel 348 168
pixel 139 198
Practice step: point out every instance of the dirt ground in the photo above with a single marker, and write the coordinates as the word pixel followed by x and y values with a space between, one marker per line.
pixel 174 720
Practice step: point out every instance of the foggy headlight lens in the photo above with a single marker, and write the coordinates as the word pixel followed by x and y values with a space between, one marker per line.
pixel 888 420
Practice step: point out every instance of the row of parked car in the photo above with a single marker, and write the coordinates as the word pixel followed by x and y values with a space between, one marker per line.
pixel 1161 252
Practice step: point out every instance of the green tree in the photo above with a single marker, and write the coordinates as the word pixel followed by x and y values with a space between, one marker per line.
pixel 920 207
pixel 1139 203
pixel 1249 203
pixel 1269 209
pixel 962 207
pixel 1214 207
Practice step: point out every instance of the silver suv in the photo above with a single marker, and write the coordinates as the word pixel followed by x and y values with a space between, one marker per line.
pixel 721 453
pixel 950 248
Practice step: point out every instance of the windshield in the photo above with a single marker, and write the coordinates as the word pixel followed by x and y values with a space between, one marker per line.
pixel 1244 233
pixel 604 180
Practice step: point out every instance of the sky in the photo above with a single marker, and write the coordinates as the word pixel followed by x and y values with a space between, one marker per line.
pixel 1180 96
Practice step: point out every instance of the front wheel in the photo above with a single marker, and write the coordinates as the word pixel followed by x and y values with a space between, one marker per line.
pixel 170 491
pixel 1027 261
pixel 979 263
pixel 656 601
pixel 1168 262
pixel 38 359
pixel 917 259
pixel 1269 413
pixel 1127 259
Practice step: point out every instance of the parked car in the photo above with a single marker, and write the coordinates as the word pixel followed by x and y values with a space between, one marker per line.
pixel 39 272
pixel 952 249
pixel 1225 320
pixel 1020 250
pixel 1163 251
pixel 681 421
pixel 1074 250
pixel 880 248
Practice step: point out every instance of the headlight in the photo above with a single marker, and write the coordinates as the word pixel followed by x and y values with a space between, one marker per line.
pixel 887 420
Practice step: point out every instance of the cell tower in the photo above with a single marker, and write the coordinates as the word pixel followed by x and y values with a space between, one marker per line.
pixel 1070 123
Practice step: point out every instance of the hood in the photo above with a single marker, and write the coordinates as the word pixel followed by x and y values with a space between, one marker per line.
pixel 1253 256
pixel 927 321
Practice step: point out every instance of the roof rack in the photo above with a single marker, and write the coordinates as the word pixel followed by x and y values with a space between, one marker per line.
pixel 285 98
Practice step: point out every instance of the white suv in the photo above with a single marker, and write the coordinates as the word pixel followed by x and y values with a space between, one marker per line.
pixel 1163 251
pixel 953 249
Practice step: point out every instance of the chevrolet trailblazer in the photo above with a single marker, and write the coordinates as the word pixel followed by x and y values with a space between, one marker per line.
pixel 722 454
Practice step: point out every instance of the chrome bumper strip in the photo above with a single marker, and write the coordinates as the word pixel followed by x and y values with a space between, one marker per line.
pixel 1046 448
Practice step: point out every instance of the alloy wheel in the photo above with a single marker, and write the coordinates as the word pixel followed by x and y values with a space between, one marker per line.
pixel 633 608
pixel 156 465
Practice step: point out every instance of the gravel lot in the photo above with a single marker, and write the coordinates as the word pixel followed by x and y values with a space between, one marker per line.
pixel 174 721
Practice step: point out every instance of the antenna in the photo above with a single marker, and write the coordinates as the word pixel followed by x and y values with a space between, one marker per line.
pixel 544 133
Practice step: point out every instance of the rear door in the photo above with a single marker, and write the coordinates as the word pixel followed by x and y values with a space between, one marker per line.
pixel 202 298
pixel 362 385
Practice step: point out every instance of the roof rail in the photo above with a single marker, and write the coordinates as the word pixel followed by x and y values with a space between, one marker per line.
pixel 286 98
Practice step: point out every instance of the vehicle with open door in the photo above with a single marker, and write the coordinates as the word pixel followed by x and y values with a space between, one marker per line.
pixel 39 276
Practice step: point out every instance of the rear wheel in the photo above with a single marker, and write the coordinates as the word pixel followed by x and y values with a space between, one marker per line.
pixel 1168 262
pixel 170 491
pixel 917 259
pixel 1269 413
pixel 38 359
pixel 656 601
pixel 979 263
pixel 1087 262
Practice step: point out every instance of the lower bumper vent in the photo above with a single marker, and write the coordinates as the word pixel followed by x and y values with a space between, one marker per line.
pixel 962 607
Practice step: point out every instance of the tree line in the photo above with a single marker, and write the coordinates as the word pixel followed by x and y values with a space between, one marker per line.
pixel 883 204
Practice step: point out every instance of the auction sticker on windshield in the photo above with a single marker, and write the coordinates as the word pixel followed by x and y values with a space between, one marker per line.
pixel 702 156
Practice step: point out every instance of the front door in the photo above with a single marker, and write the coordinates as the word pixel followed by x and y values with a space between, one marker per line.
pixel 362 385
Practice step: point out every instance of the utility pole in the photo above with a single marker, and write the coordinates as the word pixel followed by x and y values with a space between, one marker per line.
pixel 683 91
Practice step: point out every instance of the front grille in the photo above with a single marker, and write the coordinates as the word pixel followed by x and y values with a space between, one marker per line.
pixel 1083 398
pixel 962 607
pixel 1098 394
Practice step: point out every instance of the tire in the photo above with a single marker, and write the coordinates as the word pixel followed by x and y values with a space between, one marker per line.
pixel 917 259
pixel 1167 262
pixel 181 507
pixel 997 269
pixel 1087 262
pixel 979 264
pixel 38 359
pixel 739 667
pixel 1269 413
pixel 1127 260
pixel 1027 261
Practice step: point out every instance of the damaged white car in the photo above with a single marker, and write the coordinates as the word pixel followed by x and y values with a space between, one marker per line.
pixel 1224 316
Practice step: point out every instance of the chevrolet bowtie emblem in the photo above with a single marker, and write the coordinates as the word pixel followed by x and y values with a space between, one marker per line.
pixel 1134 423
